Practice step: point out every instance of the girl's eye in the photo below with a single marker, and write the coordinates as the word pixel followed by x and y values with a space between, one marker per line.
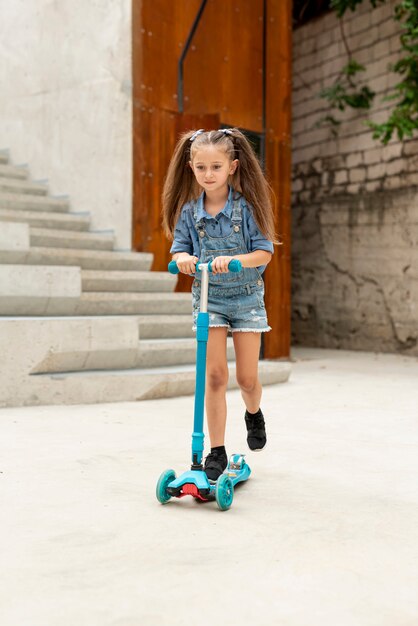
pixel 217 167
pixel 199 167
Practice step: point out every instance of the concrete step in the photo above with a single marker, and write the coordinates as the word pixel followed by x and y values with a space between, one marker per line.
pixel 50 238
pixel 99 262
pixel 19 172
pixel 31 302
pixel 23 202
pixel 14 242
pixel 169 352
pixel 128 281
pixel 41 345
pixel 134 384
pixel 165 326
pixel 149 353
pixel 35 290
pixel 13 185
pixel 92 259
pixel 96 303
pixel 62 221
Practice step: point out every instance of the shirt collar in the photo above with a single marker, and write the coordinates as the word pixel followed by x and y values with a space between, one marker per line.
pixel 227 210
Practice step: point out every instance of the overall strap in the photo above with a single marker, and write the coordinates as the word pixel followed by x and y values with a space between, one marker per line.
pixel 236 217
pixel 195 210
pixel 200 223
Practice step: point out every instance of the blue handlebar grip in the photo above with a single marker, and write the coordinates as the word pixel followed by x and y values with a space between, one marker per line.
pixel 172 267
pixel 235 265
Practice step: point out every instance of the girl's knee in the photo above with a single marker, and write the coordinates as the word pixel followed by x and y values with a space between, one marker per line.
pixel 217 378
pixel 247 383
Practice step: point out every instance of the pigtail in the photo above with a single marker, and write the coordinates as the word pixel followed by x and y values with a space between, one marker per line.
pixel 179 185
pixel 251 182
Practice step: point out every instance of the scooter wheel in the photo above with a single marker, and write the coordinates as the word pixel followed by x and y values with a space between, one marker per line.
pixel 224 492
pixel 164 480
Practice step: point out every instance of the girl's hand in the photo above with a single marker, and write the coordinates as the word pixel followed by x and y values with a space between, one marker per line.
pixel 220 264
pixel 186 263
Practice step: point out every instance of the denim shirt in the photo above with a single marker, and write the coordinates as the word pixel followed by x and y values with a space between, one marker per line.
pixel 186 237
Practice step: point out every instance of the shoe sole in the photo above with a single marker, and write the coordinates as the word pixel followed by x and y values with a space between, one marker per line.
pixel 257 449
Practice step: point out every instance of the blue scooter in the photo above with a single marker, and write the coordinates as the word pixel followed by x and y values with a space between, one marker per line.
pixel 194 482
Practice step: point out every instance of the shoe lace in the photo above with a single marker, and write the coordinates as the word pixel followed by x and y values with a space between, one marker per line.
pixel 256 423
pixel 214 457
pixel 211 457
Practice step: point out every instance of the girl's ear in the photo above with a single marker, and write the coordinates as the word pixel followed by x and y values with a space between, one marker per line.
pixel 190 165
pixel 233 167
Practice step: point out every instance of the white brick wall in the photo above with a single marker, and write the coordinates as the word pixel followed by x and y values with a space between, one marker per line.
pixel 353 283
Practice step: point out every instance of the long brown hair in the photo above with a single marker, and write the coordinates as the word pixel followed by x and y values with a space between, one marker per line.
pixel 180 185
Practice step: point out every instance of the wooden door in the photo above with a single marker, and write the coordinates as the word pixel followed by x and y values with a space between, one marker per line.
pixel 223 84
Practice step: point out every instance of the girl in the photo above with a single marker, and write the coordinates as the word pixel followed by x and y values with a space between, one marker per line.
pixel 216 206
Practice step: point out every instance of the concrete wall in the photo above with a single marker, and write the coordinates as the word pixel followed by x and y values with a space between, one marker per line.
pixel 65 101
pixel 355 202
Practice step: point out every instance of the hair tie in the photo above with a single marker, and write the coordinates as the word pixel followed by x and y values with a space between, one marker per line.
pixel 196 134
pixel 227 131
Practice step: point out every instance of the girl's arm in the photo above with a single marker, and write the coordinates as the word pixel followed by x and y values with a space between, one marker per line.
pixel 183 247
pixel 252 259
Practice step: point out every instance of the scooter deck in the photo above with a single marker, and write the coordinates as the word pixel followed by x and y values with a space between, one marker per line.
pixel 238 469
pixel 195 483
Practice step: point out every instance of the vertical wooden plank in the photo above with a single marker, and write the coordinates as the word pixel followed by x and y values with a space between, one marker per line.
pixel 278 166
pixel 154 137
pixel 160 29
pixel 244 68
pixel 223 70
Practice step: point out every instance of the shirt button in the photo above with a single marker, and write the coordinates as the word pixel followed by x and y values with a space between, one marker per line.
pixel 201 233
pixel 236 228
pixel 259 282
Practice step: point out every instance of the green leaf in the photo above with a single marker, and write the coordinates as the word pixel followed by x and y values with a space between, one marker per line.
pixel 352 68
pixel 343 93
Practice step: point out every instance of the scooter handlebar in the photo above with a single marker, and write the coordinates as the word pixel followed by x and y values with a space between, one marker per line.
pixel 234 266
pixel 172 267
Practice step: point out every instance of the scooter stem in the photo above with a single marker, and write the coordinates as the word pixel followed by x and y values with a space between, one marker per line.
pixel 202 334
pixel 204 268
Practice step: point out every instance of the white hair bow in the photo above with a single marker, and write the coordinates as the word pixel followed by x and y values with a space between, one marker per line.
pixel 198 132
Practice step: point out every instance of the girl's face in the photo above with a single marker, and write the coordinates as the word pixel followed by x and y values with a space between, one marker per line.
pixel 212 168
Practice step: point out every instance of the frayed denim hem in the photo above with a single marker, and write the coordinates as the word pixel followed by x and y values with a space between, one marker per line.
pixel 251 330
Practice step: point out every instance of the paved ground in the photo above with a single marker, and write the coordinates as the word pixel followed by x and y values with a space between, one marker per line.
pixel 324 532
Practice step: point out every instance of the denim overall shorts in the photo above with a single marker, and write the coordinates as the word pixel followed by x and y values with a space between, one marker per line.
pixel 235 300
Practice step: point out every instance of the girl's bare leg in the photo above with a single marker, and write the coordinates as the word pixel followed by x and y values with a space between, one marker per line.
pixel 247 351
pixel 216 383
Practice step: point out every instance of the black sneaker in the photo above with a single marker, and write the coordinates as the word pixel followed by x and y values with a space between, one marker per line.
pixel 256 429
pixel 215 464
